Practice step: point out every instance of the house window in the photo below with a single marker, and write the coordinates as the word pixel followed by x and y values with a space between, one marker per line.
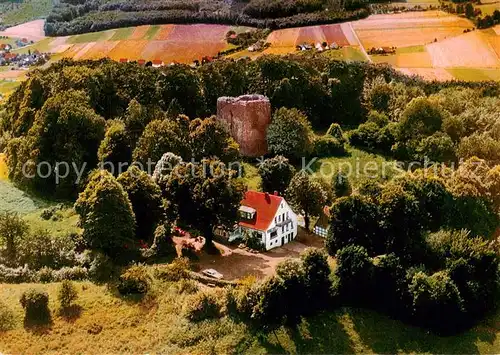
pixel 274 234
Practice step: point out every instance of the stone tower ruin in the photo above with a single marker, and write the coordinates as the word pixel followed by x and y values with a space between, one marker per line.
pixel 246 118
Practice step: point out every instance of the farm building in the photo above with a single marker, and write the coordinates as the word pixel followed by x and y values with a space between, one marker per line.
pixel 266 215
pixel 323 223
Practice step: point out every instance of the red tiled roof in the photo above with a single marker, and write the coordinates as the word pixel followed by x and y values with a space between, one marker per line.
pixel 141 61
pixel 123 60
pixel 266 206
pixel 157 61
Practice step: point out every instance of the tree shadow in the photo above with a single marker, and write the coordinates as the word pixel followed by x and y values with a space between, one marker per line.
pixel 38 327
pixel 388 336
pixel 72 313
pixel 320 334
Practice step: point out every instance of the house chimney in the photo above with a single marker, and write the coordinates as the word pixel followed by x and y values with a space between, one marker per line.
pixel 276 193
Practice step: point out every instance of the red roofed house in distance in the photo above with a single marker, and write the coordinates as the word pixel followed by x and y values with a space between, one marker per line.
pixel 267 214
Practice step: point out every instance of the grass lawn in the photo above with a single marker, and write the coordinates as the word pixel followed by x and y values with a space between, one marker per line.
pixel 359 165
pixel 106 323
pixel 352 53
pixel 64 222
pixel 152 31
pixel 14 200
pixel 122 34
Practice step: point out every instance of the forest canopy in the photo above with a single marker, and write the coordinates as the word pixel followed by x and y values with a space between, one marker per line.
pixel 80 16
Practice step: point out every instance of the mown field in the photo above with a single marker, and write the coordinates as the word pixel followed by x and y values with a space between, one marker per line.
pixel 106 323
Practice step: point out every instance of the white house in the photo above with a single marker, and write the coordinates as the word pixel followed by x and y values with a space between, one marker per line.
pixel 270 216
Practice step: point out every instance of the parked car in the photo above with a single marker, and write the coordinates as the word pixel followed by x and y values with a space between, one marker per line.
pixel 213 273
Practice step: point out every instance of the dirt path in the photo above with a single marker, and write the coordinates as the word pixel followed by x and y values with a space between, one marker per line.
pixel 235 263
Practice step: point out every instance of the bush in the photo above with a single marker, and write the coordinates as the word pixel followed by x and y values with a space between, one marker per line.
pixel 188 250
pixel 135 281
pixel 326 146
pixel 45 275
pixel 100 267
pixel 67 294
pixel 187 286
pixel 163 244
pixel 15 275
pixel 75 273
pixel 253 240
pixel 175 271
pixel 201 306
pixel 39 248
pixel 36 306
pixel 7 318
pixel 336 132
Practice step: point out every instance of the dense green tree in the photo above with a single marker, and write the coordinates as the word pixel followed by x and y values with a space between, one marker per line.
pixel 401 221
pixel 390 280
pixel 327 146
pixel 377 94
pixel 161 137
pixel 12 230
pixel 316 278
pixel 469 10
pixel 306 196
pixel 165 166
pixel 276 174
pixel 115 151
pixel 65 130
pixel 136 119
pixel 354 221
pixel 106 215
pixel 354 275
pixel 203 196
pixel 472 263
pixel 435 298
pixel 209 138
pixel 341 185
pixel 290 134
pixel 438 147
pixel 145 196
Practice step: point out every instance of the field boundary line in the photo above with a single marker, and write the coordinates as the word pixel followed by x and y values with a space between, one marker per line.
pixel 360 44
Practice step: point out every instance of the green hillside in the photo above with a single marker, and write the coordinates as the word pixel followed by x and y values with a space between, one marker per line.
pixel 13 13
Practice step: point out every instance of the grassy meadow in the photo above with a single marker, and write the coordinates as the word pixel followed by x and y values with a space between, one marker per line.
pixel 106 323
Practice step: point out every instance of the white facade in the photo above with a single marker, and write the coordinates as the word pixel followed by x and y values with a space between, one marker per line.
pixel 283 228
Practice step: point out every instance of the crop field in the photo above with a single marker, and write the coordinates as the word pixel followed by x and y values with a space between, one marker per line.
pixel 467 50
pixel 474 74
pixel 409 29
pixel 169 43
pixel 439 74
pixel 291 37
pixel 32 30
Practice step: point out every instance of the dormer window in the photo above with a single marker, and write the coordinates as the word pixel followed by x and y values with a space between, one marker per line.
pixel 247 213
